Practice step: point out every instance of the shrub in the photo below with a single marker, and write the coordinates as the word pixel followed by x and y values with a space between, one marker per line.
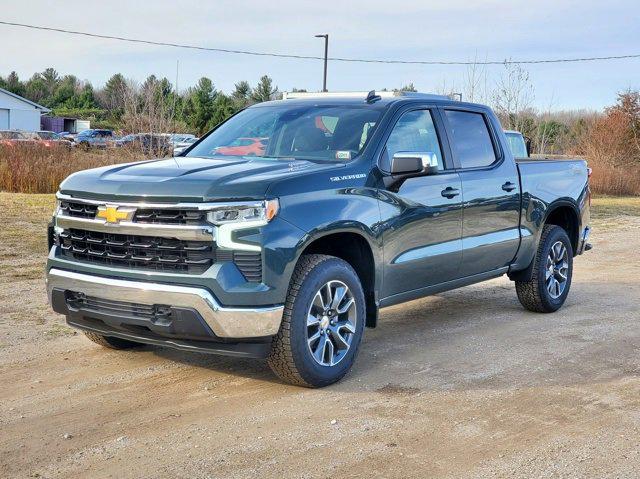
pixel 33 168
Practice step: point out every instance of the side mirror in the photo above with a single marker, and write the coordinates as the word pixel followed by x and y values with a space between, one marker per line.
pixel 527 142
pixel 413 163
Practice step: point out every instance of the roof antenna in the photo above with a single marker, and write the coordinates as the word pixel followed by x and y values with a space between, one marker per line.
pixel 372 97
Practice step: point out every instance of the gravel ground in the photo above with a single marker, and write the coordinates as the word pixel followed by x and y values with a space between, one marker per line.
pixel 462 384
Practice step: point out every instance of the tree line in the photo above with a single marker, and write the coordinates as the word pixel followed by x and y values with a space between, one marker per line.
pixel 153 105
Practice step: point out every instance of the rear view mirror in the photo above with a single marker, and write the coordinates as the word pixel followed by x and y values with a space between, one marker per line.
pixel 414 163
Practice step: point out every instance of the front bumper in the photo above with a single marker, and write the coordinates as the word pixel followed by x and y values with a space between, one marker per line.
pixel 236 323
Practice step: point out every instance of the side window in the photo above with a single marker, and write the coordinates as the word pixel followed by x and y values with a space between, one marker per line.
pixel 471 138
pixel 414 132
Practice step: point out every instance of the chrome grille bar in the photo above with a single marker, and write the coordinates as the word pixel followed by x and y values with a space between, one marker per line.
pixel 181 232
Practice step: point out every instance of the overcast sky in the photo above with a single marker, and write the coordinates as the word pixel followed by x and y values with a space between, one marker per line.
pixel 408 30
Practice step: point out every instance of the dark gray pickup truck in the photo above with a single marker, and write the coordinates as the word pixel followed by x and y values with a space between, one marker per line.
pixel 282 232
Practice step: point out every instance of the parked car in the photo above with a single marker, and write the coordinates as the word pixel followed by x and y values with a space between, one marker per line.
pixel 179 148
pixel 289 254
pixel 176 138
pixel 147 143
pixel 95 139
pixel 243 147
pixel 67 135
pixel 50 139
pixel 12 137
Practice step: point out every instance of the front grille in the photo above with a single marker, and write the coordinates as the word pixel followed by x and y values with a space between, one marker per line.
pixel 143 252
pixel 78 210
pixel 153 312
pixel 170 216
pixel 151 253
pixel 165 216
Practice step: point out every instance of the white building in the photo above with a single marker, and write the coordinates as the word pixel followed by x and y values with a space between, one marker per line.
pixel 17 113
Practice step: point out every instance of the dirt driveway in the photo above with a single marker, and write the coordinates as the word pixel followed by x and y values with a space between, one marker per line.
pixel 463 384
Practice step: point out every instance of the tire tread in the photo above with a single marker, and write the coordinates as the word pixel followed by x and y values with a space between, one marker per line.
pixel 529 293
pixel 110 342
pixel 281 356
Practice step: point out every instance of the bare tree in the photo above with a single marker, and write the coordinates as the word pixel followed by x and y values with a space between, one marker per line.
pixel 149 108
pixel 513 96
pixel 475 88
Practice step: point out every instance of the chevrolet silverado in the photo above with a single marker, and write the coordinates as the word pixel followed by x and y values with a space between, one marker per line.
pixel 353 202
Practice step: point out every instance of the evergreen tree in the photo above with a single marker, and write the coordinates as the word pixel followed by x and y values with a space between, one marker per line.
pixel 14 85
pixel 201 105
pixel 115 92
pixel 51 80
pixel 223 108
pixel 36 90
pixel 241 94
pixel 65 93
pixel 264 91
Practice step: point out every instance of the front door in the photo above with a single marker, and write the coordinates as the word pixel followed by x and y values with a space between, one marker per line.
pixel 422 217
pixel 491 192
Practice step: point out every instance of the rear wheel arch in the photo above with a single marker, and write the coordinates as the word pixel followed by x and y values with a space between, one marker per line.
pixel 563 214
pixel 566 216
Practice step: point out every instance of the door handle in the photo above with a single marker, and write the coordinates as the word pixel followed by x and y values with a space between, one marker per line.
pixel 508 186
pixel 450 192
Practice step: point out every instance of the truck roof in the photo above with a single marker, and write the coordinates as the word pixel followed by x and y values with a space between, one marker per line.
pixel 372 97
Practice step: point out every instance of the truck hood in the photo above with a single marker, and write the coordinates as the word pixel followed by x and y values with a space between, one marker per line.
pixel 188 178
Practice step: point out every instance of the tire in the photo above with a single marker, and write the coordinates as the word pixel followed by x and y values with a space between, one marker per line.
pixel 540 294
pixel 316 280
pixel 111 342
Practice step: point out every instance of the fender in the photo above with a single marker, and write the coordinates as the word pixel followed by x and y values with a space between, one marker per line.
pixel 539 216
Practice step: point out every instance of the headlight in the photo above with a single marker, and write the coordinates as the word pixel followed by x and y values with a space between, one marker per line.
pixel 245 213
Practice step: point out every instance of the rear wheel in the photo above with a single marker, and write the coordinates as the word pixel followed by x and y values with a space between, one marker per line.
pixel 322 324
pixel 111 342
pixel 550 281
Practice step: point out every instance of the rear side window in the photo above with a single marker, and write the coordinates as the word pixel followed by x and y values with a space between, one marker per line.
pixel 471 138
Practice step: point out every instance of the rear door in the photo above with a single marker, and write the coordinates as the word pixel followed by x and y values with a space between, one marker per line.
pixel 490 191
pixel 423 216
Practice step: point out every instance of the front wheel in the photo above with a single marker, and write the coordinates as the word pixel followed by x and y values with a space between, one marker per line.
pixel 322 324
pixel 550 281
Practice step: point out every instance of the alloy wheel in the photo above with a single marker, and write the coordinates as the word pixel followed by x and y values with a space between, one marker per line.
pixel 331 323
pixel 557 272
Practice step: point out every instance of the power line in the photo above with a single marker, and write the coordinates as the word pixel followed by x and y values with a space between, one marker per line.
pixel 311 57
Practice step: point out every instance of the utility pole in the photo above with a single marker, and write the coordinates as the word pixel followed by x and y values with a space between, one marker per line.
pixel 326 54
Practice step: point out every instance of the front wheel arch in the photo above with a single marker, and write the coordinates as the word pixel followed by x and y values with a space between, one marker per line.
pixel 355 249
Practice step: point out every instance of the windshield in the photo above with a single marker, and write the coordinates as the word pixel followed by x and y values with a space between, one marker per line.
pixel 330 133
pixel 47 135
pixel 517 145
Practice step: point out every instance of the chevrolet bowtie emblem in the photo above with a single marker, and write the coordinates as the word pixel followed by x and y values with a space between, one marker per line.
pixel 114 214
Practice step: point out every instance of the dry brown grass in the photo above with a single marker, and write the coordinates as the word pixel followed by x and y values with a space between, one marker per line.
pixel 39 169
pixel 616 181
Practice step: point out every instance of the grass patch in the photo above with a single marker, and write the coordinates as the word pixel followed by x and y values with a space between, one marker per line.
pixel 23 237
pixel 603 207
